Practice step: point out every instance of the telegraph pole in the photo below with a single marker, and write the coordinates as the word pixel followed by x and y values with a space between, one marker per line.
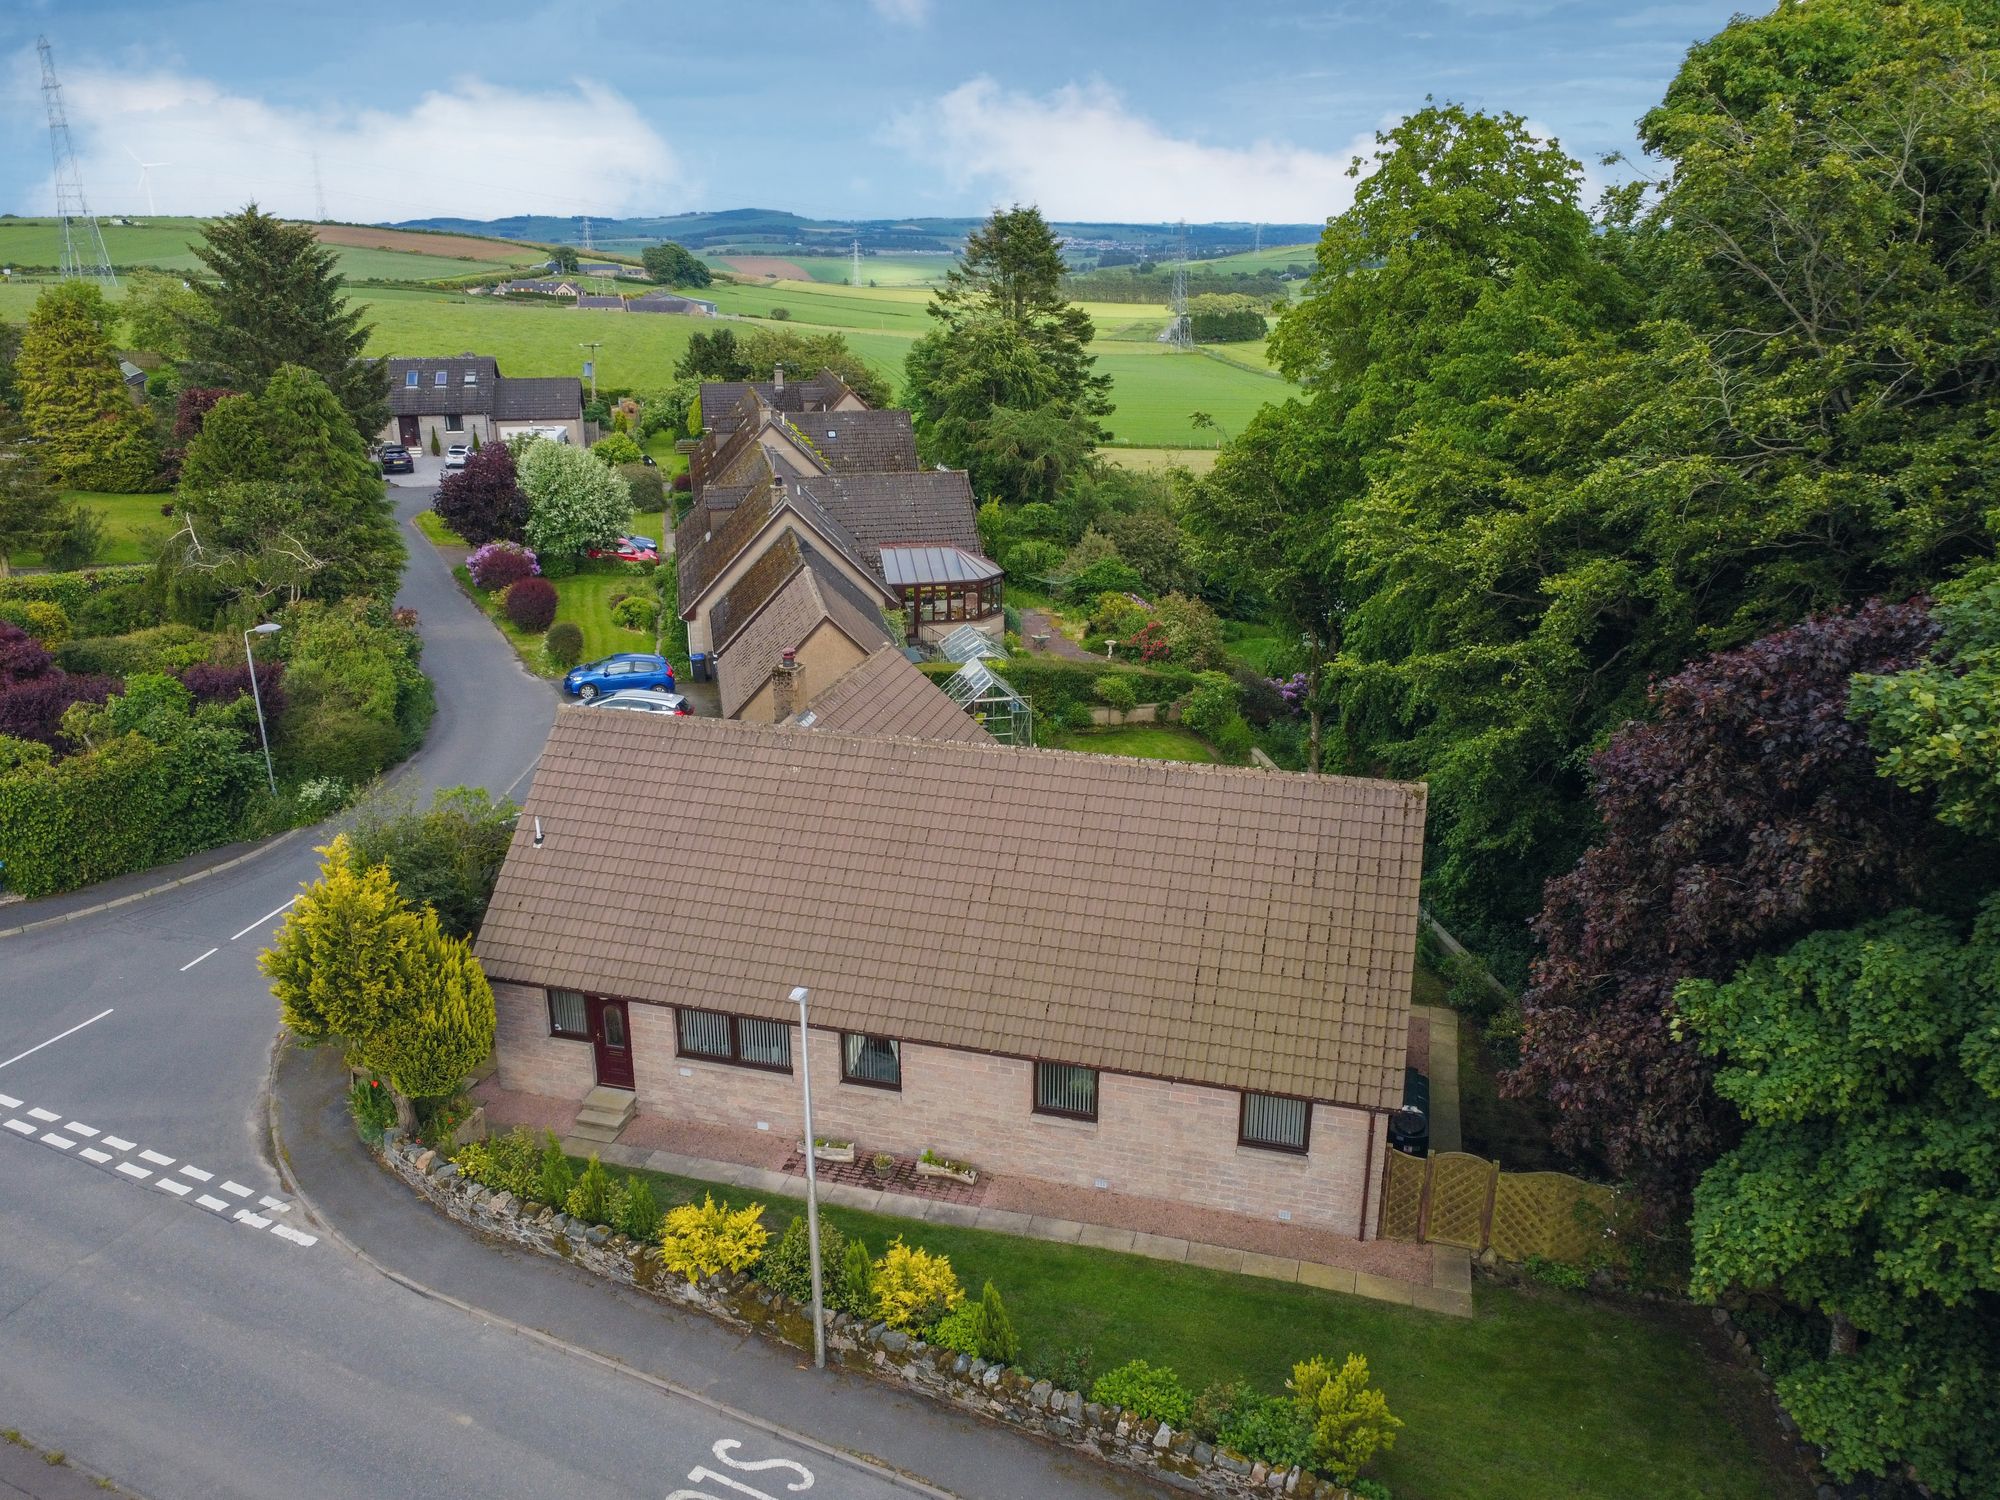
pixel 590 365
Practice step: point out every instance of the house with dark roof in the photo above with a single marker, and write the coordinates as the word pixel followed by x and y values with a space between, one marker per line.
pixel 672 302
pixel 1184 984
pixel 857 441
pixel 454 400
pixel 826 391
pixel 793 624
pixel 550 287
pixel 601 302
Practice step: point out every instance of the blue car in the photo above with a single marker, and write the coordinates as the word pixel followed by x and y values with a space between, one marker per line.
pixel 628 669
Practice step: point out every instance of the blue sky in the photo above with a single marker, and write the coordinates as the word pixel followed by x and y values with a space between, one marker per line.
pixel 1104 109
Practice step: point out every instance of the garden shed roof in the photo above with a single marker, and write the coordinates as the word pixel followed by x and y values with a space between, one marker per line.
pixel 1207 924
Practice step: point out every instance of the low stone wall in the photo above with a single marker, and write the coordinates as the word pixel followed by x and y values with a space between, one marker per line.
pixel 1142 713
pixel 1001 1394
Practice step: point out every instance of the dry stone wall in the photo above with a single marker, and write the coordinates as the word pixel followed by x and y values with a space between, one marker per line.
pixel 999 1393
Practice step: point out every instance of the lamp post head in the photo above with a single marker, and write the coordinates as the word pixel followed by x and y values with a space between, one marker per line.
pixel 799 993
pixel 269 627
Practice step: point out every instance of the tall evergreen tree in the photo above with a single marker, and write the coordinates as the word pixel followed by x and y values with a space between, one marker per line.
pixel 30 508
pixel 273 298
pixel 88 433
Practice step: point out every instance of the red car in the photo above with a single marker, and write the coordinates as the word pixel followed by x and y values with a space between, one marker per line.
pixel 629 549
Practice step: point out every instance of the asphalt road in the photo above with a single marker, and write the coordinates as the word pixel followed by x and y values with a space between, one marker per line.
pixel 170 1317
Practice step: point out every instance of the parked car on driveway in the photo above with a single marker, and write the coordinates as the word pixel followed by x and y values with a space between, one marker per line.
pixel 629 549
pixel 643 700
pixel 457 456
pixel 611 674
pixel 395 459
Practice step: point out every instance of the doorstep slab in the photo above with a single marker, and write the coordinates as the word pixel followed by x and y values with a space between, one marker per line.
pixel 1451 1268
pixel 1437 1300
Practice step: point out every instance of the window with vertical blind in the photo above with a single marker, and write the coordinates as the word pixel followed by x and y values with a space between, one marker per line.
pixel 873 1060
pixel 1275 1122
pixel 566 1014
pixel 1066 1089
pixel 721 1037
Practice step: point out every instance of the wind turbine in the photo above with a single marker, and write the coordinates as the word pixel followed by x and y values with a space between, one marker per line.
pixel 146 180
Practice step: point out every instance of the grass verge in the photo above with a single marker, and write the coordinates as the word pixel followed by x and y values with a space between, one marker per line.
pixel 1147 741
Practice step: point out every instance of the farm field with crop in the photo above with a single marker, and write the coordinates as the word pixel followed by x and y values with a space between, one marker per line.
pixel 163 245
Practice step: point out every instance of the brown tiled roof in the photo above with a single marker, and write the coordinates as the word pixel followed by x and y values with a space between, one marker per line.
pixel 1239 928
pixel 930 505
pixel 790 592
pixel 703 556
pixel 886 695
pixel 859 442
pixel 720 399
pixel 538 397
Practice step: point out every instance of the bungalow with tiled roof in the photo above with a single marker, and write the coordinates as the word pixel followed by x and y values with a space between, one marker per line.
pixel 885 694
pixel 1184 985
pixel 454 400
pixel 825 391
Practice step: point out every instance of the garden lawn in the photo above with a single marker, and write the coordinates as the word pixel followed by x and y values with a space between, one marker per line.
pixel 1147 741
pixel 1543 1395
pixel 1254 644
pixel 133 527
pixel 585 599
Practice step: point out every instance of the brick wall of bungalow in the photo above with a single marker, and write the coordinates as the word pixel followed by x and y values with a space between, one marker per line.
pixel 1152 1139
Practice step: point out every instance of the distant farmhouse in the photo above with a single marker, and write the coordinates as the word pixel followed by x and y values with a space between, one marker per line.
pixel 455 399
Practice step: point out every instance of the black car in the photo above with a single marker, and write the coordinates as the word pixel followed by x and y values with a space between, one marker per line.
pixel 395 459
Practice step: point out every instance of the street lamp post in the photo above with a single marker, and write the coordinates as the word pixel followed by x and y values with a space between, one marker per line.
pixel 800 994
pixel 269 627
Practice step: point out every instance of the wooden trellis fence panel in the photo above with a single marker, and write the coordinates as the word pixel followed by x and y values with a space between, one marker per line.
pixel 1456 1199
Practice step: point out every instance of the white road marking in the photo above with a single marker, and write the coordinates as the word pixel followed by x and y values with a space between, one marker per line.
pixel 208 1202
pixel 193 961
pixel 100 1157
pixel 119 1143
pixel 235 1189
pixel 178 1189
pixel 131 1171
pixel 286 1232
pixel 255 1221
pixel 276 1205
pixel 77 1127
pixel 8 1101
pixel 43 1114
pixel 197 1174
pixel 20 1127
pixel 56 1038
pixel 156 1159
pixel 60 1142
pixel 260 921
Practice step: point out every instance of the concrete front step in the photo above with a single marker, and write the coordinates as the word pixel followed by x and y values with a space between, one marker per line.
pixel 604 1114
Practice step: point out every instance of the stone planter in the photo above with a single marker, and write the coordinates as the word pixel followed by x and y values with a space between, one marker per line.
pixel 841 1151
pixel 951 1171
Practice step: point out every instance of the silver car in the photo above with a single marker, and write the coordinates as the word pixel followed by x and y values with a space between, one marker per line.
pixel 643 700
pixel 457 456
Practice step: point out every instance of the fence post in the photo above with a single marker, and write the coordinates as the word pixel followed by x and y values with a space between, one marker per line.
pixel 1424 1199
pixel 1486 1213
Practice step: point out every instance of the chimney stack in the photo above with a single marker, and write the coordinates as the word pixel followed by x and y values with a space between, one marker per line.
pixel 777 378
pixel 785 703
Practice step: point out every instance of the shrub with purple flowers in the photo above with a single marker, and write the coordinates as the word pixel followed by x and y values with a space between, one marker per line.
pixel 1293 690
pixel 498 564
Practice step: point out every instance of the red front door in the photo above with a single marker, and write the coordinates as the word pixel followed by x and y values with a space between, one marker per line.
pixel 409 433
pixel 611 1039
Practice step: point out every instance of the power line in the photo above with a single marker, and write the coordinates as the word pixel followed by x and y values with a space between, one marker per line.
pixel 83 252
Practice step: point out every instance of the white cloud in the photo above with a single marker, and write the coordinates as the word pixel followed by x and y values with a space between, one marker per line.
pixel 905 12
pixel 468 149
pixel 1079 153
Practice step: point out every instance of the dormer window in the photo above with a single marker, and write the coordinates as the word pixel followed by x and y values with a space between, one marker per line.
pixel 472 377
pixel 410 379
pixel 443 379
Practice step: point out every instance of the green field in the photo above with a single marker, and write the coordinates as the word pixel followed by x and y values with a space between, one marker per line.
pixel 163 244
pixel 1270 258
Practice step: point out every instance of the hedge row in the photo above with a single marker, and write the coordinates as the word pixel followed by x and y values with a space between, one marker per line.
pixel 1062 692
pixel 69 590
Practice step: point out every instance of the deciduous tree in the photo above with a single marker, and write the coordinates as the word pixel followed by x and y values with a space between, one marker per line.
pixel 156 311
pixel 574 502
pixel 675 265
pixel 483 501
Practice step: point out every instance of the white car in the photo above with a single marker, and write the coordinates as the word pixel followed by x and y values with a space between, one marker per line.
pixel 456 456
pixel 643 700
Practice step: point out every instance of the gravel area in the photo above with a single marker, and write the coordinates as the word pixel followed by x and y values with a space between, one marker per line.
pixel 506 1108
pixel 1420 1043
pixel 1405 1262
pixel 750 1148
